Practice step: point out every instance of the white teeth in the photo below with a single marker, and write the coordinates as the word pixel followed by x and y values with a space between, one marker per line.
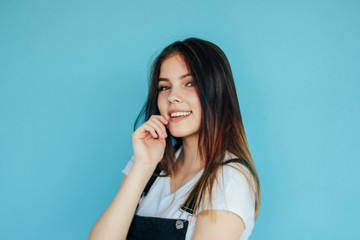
pixel 178 114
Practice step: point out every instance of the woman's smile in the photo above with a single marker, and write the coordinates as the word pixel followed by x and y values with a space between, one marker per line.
pixel 178 115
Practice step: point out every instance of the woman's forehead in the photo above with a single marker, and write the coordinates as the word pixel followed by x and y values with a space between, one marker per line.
pixel 174 67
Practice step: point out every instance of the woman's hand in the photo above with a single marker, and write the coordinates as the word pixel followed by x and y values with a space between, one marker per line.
pixel 149 141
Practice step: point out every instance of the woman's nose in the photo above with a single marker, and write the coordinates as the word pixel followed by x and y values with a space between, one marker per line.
pixel 175 96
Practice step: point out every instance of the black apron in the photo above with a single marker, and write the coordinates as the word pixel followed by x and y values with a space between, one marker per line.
pixel 153 228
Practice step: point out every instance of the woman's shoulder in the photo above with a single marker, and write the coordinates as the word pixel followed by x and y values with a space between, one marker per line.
pixel 233 183
pixel 232 192
pixel 233 169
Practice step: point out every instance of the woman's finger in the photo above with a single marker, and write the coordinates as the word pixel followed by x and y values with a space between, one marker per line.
pixel 159 123
pixel 159 128
pixel 163 120
pixel 149 128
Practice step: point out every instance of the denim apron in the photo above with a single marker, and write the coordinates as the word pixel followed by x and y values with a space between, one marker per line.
pixel 154 228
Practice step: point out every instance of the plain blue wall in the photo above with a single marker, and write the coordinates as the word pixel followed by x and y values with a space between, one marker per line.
pixel 73 77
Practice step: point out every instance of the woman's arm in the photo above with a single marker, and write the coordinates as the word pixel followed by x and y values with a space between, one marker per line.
pixel 116 220
pixel 149 142
pixel 221 225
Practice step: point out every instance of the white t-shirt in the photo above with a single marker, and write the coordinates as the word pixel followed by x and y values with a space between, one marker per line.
pixel 231 193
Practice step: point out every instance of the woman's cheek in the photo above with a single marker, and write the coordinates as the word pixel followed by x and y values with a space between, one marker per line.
pixel 161 102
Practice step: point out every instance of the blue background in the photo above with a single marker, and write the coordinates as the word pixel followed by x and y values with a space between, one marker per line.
pixel 73 77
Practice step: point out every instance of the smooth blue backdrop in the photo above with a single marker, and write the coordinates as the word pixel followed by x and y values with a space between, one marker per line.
pixel 73 77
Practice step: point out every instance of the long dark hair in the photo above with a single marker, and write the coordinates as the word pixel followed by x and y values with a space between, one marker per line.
pixel 221 127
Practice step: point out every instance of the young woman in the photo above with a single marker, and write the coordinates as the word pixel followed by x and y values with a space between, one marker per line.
pixel 192 175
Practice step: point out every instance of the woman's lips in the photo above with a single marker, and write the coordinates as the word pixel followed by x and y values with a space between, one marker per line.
pixel 179 118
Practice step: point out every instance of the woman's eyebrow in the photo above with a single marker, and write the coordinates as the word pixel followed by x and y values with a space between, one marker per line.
pixel 181 77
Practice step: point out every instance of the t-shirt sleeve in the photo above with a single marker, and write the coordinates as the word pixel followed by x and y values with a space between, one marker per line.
pixel 126 170
pixel 232 193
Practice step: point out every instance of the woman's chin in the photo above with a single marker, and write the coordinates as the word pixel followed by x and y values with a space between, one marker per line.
pixel 177 133
pixel 182 133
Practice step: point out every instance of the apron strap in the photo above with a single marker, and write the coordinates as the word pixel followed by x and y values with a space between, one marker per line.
pixel 190 208
pixel 151 180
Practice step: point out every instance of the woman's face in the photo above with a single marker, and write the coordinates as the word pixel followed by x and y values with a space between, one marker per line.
pixel 178 100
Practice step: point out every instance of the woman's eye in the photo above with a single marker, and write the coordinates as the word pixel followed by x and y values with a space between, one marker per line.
pixel 162 88
pixel 190 84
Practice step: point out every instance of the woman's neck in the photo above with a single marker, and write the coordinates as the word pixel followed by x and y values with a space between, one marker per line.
pixel 190 156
